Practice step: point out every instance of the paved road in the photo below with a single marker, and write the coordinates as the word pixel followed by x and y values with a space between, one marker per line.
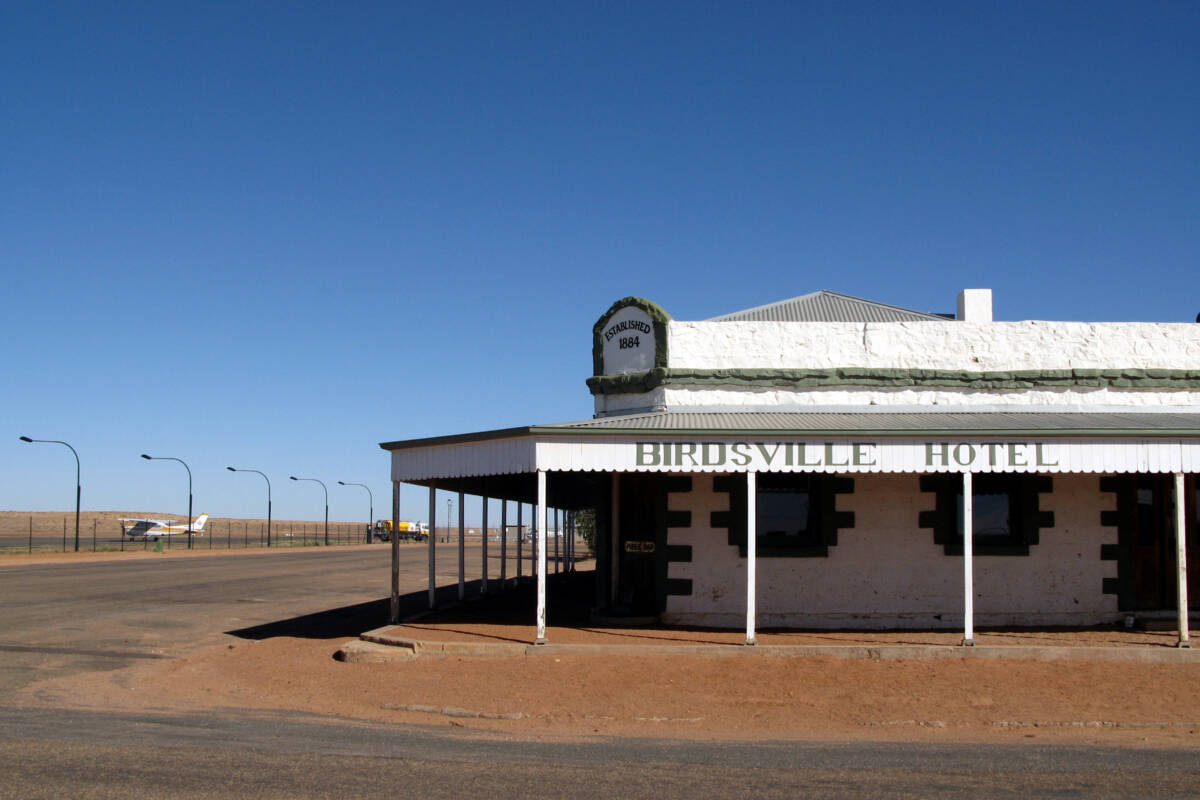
pixel 63 617
pixel 56 754
pixel 66 617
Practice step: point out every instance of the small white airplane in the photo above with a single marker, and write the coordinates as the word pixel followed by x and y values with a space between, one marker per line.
pixel 155 528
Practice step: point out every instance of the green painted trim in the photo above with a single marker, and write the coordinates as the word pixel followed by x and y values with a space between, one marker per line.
pixel 892 378
pixel 829 519
pixel 658 317
pixel 1122 518
pixel 1025 507
pixel 679 587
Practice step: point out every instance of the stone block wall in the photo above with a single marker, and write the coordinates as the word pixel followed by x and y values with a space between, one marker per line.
pixel 887 572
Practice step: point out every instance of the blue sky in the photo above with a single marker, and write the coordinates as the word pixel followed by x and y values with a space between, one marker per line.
pixel 273 235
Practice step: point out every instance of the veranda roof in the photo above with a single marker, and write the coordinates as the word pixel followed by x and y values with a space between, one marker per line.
pixel 887 441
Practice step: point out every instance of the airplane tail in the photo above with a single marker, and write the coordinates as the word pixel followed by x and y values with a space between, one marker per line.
pixel 198 525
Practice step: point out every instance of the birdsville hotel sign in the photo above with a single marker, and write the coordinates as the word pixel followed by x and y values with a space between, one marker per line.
pixel 850 457
pixel 827 461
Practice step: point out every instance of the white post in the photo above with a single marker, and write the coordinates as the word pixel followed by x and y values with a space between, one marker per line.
pixel 394 616
pixel 520 536
pixel 462 548
pixel 751 553
pixel 504 543
pixel 483 572
pixel 1181 558
pixel 557 536
pixel 541 573
pixel 432 539
pixel 614 546
pixel 968 557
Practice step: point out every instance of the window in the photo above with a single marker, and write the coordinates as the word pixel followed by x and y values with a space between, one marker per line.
pixel 1006 517
pixel 996 506
pixel 1196 504
pixel 788 512
pixel 796 514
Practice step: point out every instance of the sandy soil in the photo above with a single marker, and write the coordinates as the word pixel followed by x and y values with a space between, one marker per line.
pixel 701 697
pixel 743 697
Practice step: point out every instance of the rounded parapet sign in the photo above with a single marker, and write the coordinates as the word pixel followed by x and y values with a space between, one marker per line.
pixel 631 337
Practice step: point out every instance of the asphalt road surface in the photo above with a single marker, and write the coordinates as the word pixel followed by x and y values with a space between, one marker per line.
pixel 69 617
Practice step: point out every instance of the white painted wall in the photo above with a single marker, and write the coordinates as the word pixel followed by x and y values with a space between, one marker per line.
pixel 934 345
pixel 974 347
pixel 887 572
pixel 782 399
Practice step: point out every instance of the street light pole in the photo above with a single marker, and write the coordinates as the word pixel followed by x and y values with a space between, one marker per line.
pixel 268 480
pixel 78 490
pixel 447 519
pixel 371 508
pixel 314 480
pixel 189 472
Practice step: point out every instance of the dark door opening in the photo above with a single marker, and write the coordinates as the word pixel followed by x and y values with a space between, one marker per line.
pixel 1152 552
pixel 639 537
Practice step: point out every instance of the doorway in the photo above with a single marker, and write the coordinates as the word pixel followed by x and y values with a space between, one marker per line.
pixel 641 537
pixel 1146 509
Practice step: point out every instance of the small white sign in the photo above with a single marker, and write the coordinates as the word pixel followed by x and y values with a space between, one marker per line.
pixel 627 342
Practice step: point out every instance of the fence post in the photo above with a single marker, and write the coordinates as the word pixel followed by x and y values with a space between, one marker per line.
pixel 245 535
pixel 93 535
pixel 31 534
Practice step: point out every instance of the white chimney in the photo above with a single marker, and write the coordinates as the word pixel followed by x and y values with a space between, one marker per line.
pixel 975 305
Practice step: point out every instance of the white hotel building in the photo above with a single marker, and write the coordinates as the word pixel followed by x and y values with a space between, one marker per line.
pixel 804 465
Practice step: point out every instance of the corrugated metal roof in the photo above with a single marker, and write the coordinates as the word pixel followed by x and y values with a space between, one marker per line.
pixel 897 423
pixel 835 423
pixel 826 306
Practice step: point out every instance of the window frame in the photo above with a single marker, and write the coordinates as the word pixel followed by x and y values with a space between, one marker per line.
pixel 823 515
pixel 1025 517
pixel 770 544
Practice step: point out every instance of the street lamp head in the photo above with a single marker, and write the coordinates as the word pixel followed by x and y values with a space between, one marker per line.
pixel 293 477
pixel 341 483
pixel 146 457
pixel 231 469
pixel 26 439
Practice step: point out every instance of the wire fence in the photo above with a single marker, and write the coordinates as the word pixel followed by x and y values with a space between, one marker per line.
pixel 41 535
pixel 46 533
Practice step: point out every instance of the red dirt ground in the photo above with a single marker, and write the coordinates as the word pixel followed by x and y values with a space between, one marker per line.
pixel 723 697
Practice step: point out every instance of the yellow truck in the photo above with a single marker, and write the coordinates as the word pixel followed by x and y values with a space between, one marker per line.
pixel 404 530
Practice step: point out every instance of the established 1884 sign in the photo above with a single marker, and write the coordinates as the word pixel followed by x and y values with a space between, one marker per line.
pixel 628 342
pixel 630 338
